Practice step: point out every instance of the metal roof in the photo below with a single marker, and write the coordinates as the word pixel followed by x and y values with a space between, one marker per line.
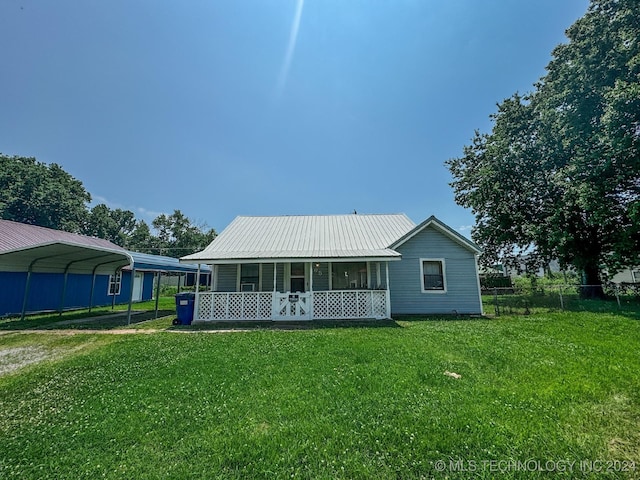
pixel 334 237
pixel 43 249
pixel 18 236
pixel 155 263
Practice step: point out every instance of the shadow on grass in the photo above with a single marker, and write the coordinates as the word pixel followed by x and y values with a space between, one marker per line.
pixel 288 325
pixel 100 320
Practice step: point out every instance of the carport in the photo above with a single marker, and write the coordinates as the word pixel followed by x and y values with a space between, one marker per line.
pixel 31 249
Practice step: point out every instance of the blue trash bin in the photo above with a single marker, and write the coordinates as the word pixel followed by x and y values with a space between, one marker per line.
pixel 184 307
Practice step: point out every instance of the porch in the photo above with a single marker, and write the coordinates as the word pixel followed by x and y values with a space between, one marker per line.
pixel 282 306
pixel 296 291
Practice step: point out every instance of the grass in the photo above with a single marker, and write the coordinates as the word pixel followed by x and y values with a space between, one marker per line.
pixel 98 318
pixel 329 402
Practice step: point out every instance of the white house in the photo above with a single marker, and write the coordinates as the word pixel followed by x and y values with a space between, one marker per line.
pixel 337 267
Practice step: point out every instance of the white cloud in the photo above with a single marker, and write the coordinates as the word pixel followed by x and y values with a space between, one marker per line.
pixel 140 212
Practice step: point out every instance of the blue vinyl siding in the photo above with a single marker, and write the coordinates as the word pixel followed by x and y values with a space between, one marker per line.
pixel 407 297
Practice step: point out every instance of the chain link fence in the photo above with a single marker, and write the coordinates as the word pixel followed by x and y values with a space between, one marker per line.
pixel 526 300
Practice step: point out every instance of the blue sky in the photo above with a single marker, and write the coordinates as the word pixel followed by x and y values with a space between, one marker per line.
pixel 266 107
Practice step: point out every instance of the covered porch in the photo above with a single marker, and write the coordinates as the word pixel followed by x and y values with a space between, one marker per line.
pixel 295 290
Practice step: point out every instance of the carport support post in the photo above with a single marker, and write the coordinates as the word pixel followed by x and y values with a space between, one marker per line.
pixel 26 292
pixel 133 276
pixel 157 291
pixel 93 286
pixel 64 290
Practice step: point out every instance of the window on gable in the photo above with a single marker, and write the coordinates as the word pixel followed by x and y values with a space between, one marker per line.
pixel 115 282
pixel 433 276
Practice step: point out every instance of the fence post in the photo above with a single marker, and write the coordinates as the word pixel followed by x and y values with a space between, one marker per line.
pixel 561 299
pixel 495 296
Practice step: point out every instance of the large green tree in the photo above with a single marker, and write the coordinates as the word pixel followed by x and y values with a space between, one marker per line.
pixel 39 194
pixel 559 174
pixel 177 235
pixel 116 225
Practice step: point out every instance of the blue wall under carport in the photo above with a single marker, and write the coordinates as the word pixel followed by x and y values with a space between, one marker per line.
pixel 46 289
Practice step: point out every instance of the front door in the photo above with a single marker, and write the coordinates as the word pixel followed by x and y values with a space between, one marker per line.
pixel 298 277
pixel 294 304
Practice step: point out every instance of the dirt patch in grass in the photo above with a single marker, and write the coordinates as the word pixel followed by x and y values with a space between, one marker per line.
pixel 14 358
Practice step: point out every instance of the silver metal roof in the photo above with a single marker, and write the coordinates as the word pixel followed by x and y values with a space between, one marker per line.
pixel 335 237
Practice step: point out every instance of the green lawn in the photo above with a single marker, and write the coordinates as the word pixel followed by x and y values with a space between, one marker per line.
pixel 365 402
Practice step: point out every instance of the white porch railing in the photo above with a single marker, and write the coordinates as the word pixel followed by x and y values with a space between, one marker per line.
pixel 321 305
pixel 351 304
pixel 233 306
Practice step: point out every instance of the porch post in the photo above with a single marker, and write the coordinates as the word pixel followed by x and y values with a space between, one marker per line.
pixel 196 300
pixel 275 277
pixel 311 290
pixel 274 299
pixel 388 293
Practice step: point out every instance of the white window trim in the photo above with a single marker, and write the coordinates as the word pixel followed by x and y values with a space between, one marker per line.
pixel 444 275
pixel 117 280
pixel 239 277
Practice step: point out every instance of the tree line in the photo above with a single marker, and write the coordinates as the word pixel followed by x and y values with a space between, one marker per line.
pixel 558 177
pixel 42 194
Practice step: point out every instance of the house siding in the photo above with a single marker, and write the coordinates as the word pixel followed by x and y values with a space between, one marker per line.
pixel 227 278
pixel 462 295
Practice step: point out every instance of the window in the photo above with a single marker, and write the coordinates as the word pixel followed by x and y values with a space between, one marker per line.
pixel 432 272
pixel 348 275
pixel 115 282
pixel 249 277
pixel 297 276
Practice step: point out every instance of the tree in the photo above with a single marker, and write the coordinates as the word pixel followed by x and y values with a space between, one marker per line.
pixel 559 174
pixel 141 240
pixel 39 194
pixel 177 236
pixel 116 225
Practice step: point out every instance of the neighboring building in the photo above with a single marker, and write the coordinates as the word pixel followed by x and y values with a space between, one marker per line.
pixel 628 275
pixel 337 267
pixel 50 270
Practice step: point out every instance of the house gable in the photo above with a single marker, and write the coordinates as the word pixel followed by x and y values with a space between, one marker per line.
pixel 432 241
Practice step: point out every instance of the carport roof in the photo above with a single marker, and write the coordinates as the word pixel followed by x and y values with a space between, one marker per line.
pixel 24 247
